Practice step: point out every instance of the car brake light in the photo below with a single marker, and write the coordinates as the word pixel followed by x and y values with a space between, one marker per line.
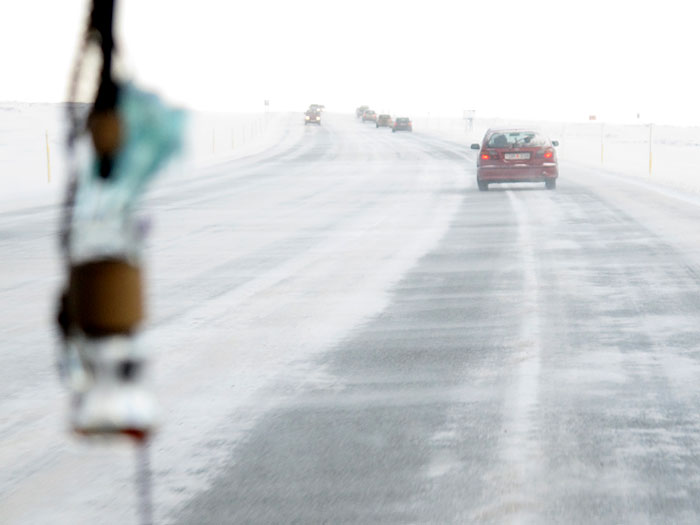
pixel 548 154
pixel 485 156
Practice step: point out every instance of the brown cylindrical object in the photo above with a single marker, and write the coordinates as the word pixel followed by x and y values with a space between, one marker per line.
pixel 106 132
pixel 106 296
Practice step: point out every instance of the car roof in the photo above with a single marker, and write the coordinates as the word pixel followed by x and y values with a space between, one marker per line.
pixel 491 131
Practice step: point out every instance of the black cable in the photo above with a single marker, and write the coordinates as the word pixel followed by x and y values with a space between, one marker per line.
pixel 102 22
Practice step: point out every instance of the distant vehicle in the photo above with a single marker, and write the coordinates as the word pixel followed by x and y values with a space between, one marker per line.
pixel 402 124
pixel 516 155
pixel 369 115
pixel 384 121
pixel 360 111
pixel 312 116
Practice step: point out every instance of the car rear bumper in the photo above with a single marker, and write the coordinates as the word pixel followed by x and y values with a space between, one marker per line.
pixel 517 174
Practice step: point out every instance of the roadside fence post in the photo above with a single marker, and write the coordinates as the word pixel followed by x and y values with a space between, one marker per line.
pixel 651 131
pixel 48 158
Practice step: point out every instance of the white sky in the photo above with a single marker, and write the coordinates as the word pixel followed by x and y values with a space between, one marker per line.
pixel 539 58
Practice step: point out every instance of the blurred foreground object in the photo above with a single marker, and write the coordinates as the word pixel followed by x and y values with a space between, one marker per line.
pixel 114 152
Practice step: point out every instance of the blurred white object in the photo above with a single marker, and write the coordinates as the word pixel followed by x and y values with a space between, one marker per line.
pixel 112 396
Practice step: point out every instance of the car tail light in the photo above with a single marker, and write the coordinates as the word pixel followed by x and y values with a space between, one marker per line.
pixel 549 154
pixel 489 155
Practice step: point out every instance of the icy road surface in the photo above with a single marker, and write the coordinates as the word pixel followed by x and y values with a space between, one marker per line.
pixel 346 330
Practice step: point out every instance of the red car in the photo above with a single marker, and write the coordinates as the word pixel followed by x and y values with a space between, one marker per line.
pixel 369 115
pixel 516 155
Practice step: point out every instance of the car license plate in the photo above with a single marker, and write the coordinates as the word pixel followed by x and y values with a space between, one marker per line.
pixel 517 156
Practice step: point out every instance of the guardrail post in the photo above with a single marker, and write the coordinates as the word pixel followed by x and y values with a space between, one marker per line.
pixel 651 131
pixel 48 157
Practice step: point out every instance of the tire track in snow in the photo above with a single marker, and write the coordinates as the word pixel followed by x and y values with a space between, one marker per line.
pixel 520 450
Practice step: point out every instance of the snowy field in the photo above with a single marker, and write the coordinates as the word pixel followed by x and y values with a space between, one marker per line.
pixel 30 175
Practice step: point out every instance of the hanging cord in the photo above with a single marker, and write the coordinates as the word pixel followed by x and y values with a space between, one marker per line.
pixel 76 128
pixel 103 123
pixel 98 31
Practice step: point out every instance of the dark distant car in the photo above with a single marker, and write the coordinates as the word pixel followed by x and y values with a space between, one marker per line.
pixel 312 117
pixel 402 124
pixel 516 155
pixel 360 111
pixel 384 121
pixel 369 115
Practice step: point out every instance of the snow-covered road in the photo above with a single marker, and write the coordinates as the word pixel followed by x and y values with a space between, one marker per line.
pixel 346 330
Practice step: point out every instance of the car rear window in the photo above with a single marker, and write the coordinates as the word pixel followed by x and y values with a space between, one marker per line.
pixel 401 120
pixel 512 139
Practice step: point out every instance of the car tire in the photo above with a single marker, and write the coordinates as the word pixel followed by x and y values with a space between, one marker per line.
pixel 483 186
pixel 551 184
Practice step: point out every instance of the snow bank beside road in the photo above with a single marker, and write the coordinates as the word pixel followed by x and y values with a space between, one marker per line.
pixel 214 137
pixel 25 178
pixel 30 175
pixel 616 148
